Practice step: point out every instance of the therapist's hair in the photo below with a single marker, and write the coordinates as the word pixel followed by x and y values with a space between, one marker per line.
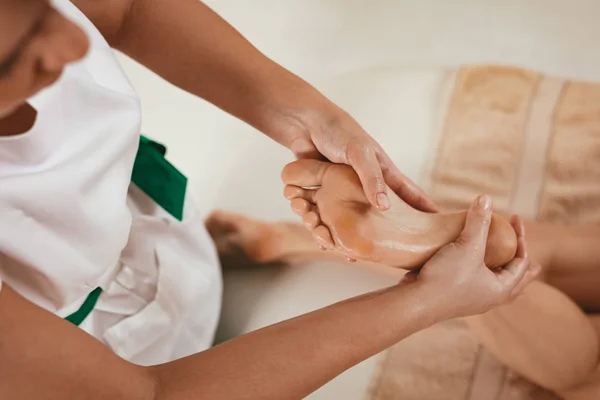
pixel 36 43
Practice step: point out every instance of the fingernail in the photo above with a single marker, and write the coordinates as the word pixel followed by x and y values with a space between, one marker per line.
pixel 323 248
pixel 383 201
pixel 484 202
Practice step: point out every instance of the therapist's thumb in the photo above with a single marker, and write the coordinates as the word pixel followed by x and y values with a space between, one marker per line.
pixel 477 225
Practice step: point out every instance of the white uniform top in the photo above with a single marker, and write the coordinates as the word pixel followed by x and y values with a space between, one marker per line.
pixel 71 221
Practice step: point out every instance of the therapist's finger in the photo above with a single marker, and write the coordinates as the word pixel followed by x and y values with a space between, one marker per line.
pixel 366 164
pixel 477 226
pixel 405 188
pixel 519 227
pixel 513 274
pixel 532 273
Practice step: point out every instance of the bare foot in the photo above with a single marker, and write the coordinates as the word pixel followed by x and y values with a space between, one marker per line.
pixel 242 241
pixel 339 215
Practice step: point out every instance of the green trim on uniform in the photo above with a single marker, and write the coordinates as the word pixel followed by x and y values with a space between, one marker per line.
pixel 158 178
pixel 163 183
pixel 86 308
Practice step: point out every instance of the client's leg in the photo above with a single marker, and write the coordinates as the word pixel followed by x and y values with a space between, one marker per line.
pixel 543 335
pixel 590 389
pixel 571 257
pixel 242 241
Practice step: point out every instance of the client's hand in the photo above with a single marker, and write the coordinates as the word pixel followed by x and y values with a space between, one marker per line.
pixel 457 278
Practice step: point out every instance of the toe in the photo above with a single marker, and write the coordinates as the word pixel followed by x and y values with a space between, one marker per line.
pixel 323 236
pixel 300 206
pixel 305 173
pixel 293 192
pixel 311 220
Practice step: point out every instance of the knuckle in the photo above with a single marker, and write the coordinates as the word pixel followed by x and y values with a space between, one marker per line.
pixel 378 182
pixel 449 248
pixel 476 248
pixel 355 146
pixel 357 149
pixel 350 153
pixel 461 241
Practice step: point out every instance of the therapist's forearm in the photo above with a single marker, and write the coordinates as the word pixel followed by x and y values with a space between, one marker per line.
pixel 192 47
pixel 292 359
pixel 285 361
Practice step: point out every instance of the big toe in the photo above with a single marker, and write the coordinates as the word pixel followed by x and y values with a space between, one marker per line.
pixel 305 173
pixel 291 192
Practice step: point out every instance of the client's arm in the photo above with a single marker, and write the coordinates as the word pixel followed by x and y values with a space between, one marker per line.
pixel 45 357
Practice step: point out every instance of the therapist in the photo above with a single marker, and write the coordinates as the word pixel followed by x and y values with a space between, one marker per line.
pixel 101 277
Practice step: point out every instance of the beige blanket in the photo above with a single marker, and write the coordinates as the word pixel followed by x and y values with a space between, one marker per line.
pixel 533 143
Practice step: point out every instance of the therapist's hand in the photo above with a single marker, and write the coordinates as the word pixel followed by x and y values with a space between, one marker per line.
pixel 456 277
pixel 337 137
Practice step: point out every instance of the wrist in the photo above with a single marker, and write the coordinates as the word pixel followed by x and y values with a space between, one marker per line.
pixel 423 306
pixel 292 109
pixel 439 300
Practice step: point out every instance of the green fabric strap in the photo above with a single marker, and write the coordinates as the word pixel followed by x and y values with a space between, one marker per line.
pixel 163 183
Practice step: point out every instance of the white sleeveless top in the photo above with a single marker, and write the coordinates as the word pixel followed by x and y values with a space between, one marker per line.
pixel 71 221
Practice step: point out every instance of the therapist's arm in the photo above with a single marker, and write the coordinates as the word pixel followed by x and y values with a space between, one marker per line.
pixel 45 357
pixel 189 45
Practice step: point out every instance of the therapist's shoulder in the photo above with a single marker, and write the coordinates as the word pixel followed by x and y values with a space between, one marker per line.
pixel 107 15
